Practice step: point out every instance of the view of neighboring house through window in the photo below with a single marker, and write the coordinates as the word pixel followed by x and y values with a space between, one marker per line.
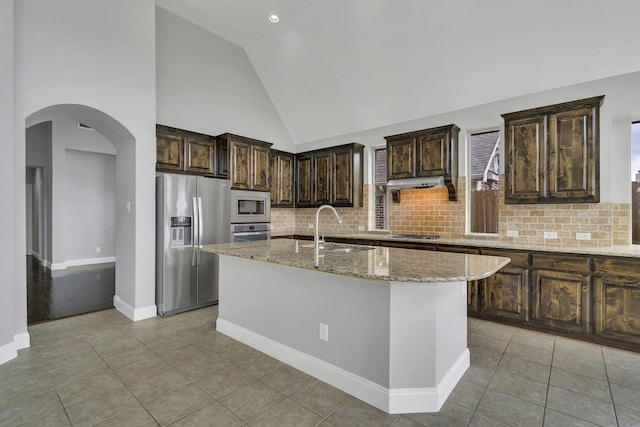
pixel 635 183
pixel 380 205
pixel 484 178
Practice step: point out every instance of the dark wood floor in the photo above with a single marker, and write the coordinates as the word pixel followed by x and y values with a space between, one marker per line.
pixel 76 290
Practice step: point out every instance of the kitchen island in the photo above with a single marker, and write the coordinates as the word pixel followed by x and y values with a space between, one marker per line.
pixel 386 325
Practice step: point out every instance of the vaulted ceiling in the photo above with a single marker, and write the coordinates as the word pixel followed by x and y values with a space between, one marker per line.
pixel 334 67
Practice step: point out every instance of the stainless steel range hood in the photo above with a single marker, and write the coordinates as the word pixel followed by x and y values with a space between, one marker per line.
pixel 413 183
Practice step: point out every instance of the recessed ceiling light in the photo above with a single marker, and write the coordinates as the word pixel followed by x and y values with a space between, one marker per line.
pixel 273 18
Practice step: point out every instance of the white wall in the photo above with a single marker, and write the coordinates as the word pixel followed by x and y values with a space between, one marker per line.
pixel 89 205
pixel 621 106
pixel 8 291
pixel 101 55
pixel 66 136
pixel 207 84
pixel 39 146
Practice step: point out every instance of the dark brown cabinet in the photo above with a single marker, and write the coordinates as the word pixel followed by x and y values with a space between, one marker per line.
pixel 425 153
pixel 552 153
pixel 282 166
pixel 248 162
pixel 560 292
pixel 330 176
pixel 183 151
pixel 505 294
pixel 616 286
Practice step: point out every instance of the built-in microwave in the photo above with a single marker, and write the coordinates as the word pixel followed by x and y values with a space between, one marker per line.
pixel 250 206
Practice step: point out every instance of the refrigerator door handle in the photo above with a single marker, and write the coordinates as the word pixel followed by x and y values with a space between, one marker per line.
pixel 200 227
pixel 196 234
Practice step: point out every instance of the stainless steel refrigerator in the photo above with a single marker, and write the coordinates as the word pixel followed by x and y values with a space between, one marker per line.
pixel 191 211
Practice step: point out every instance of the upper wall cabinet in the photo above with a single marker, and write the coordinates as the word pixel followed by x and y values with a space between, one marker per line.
pixel 282 166
pixel 248 162
pixel 553 153
pixel 331 176
pixel 183 151
pixel 424 153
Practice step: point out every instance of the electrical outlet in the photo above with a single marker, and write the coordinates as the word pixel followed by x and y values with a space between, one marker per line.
pixel 98 249
pixel 512 233
pixel 310 225
pixel 583 236
pixel 550 235
pixel 324 331
pixel 361 228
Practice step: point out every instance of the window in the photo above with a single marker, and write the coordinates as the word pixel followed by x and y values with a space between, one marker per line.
pixel 380 209
pixel 635 183
pixel 484 181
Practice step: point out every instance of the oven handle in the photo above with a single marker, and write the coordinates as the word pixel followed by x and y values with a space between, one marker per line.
pixel 250 233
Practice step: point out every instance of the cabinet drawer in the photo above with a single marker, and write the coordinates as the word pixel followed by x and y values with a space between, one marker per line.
pixel 628 267
pixel 562 262
pixel 518 259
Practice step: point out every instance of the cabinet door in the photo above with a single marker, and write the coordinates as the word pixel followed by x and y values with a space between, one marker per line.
pixel 169 151
pixel 285 180
pixel 525 166
pixel 259 160
pixel 505 294
pixel 432 154
pixel 572 169
pixel 322 178
pixel 199 155
pixel 401 162
pixel 304 181
pixel 222 158
pixel 343 178
pixel 560 300
pixel 239 167
pixel 617 308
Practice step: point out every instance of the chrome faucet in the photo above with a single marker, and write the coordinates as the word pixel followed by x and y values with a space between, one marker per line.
pixel 316 236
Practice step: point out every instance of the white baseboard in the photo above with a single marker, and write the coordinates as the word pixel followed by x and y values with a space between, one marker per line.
pixel 393 401
pixel 54 266
pixel 134 314
pixel 46 264
pixel 83 261
pixel 22 340
pixel 35 254
pixel 8 352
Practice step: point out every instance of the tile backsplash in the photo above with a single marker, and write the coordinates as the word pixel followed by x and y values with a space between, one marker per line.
pixel 430 212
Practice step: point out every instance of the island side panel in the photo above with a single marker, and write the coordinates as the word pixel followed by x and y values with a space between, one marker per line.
pixel 287 305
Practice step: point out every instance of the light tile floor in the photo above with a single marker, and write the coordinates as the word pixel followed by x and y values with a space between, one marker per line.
pixel 102 369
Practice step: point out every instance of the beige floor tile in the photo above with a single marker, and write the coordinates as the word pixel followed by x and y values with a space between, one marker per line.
pixel 357 413
pixel 487 342
pixel 520 387
pixel 625 396
pixel 558 419
pixel 527 352
pixel 510 410
pixel 138 417
pixel 583 384
pixel 524 368
pixel 467 394
pixel 483 357
pixel 19 410
pixel 201 366
pixel 628 417
pixel 621 359
pixel 251 400
pixel 580 365
pixel 581 406
pixel 287 413
pixel 101 407
pixel 158 384
pixel 480 420
pixel 534 339
pixel 176 404
pixel 224 382
pixel 211 415
pixel 479 374
pixel 141 368
pixel 58 418
pixel 257 364
pixel 496 330
pixel 286 379
pixel 320 397
pixel 85 388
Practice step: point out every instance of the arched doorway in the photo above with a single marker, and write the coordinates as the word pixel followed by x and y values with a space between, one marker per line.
pixel 124 144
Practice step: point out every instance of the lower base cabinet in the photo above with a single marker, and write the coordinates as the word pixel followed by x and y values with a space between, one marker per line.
pixel 560 300
pixel 616 289
pixel 505 293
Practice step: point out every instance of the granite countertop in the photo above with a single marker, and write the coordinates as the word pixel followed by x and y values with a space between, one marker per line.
pixel 632 251
pixel 373 263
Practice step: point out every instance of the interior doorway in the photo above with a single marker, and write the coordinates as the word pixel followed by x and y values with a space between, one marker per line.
pixel 72 189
